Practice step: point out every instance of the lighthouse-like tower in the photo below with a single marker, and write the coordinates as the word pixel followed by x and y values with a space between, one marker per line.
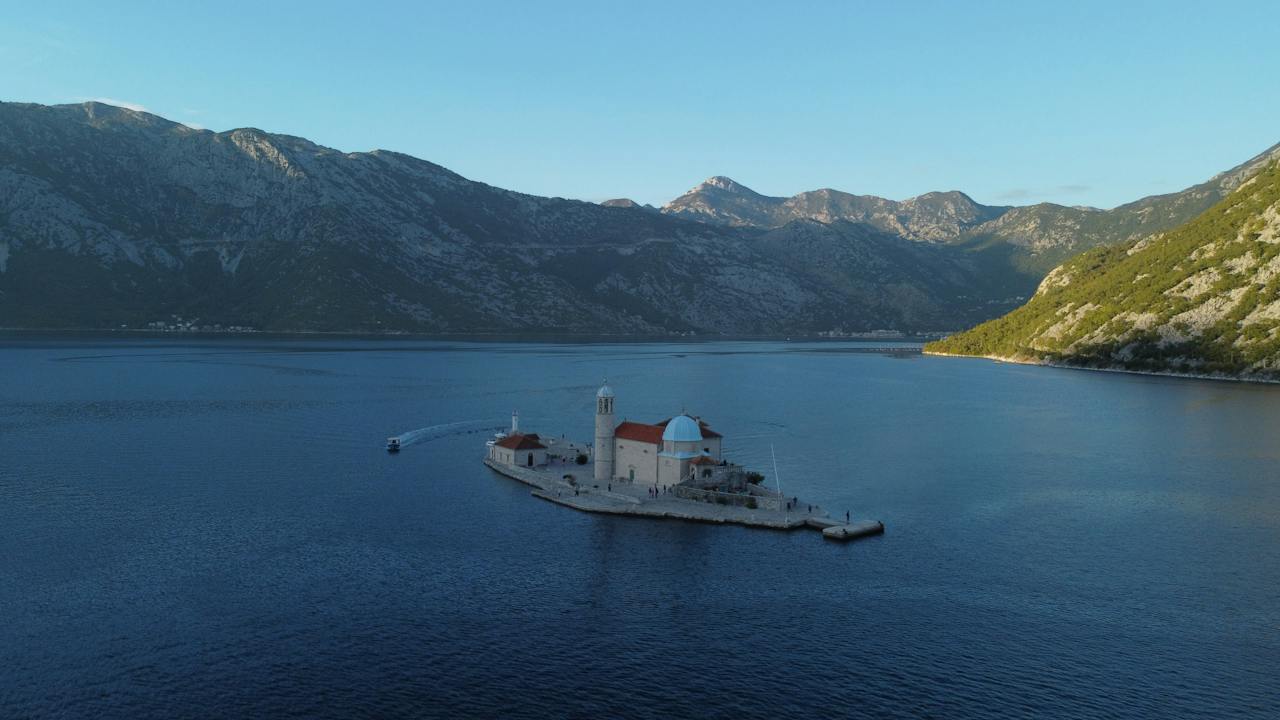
pixel 604 433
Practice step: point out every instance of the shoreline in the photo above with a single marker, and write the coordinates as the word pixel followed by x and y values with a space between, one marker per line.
pixel 591 499
pixel 542 336
pixel 1113 369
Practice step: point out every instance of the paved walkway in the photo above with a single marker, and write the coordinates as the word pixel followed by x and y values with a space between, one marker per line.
pixel 623 498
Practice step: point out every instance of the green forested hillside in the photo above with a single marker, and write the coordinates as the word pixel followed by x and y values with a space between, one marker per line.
pixel 1202 298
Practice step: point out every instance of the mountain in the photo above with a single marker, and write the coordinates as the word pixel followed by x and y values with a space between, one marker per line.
pixel 1046 234
pixel 627 203
pixel 925 285
pixel 934 217
pixel 111 217
pixel 1203 298
pixel 1031 239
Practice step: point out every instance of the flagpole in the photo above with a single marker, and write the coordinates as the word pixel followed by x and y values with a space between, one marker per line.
pixel 786 514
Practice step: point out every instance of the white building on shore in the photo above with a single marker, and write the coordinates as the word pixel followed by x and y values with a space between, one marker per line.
pixel 518 449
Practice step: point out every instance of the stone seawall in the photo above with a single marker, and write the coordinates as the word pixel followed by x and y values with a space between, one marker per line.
pixel 636 501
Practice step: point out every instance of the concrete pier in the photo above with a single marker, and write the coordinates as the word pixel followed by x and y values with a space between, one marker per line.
pixel 621 498
pixel 853 531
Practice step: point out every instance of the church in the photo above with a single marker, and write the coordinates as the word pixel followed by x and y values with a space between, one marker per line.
pixel 662 454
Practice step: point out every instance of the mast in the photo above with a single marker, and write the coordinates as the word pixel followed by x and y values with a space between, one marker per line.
pixel 786 514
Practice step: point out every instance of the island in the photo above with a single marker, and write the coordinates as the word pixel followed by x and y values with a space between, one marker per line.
pixel 671 469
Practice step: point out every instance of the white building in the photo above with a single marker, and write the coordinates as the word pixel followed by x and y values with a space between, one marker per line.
pixel 604 433
pixel 660 454
pixel 519 450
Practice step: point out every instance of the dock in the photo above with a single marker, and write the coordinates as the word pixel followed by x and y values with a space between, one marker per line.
pixel 552 483
pixel 862 528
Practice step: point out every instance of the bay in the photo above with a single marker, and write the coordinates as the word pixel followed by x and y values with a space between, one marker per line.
pixel 210 527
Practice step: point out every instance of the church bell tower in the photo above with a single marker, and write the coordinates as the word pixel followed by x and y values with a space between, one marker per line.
pixel 604 433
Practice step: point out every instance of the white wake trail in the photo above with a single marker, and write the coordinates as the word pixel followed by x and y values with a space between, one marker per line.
pixel 435 432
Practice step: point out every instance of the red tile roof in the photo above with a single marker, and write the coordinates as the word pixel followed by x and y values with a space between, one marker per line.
pixel 704 460
pixel 521 442
pixel 639 432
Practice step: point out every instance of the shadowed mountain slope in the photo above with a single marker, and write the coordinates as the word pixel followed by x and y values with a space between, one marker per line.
pixel 111 217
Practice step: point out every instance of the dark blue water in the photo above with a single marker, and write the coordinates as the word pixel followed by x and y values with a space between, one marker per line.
pixel 212 529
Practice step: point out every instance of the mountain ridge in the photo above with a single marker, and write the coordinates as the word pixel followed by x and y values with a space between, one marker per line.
pixel 111 217
pixel 1040 236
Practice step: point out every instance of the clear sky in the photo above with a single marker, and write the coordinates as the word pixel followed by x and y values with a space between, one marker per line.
pixel 1093 103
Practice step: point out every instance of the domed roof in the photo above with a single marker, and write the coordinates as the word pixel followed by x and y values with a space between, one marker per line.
pixel 682 428
pixel 605 390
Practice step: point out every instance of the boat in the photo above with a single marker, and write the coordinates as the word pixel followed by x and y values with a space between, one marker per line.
pixel 393 444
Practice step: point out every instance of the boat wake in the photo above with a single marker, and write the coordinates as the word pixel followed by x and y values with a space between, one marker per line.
pixel 435 432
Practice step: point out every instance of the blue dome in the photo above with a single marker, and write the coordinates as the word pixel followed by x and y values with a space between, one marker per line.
pixel 682 428
pixel 604 391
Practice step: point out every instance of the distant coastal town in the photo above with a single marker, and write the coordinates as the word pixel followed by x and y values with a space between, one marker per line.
pixel 177 323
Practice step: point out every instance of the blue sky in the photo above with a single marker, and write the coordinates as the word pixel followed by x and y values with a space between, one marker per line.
pixel 1013 103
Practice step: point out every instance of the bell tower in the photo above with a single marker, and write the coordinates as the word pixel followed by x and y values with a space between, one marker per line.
pixel 604 433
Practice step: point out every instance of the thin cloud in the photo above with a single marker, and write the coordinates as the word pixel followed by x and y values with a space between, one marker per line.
pixel 1074 189
pixel 1027 193
pixel 136 107
pixel 193 112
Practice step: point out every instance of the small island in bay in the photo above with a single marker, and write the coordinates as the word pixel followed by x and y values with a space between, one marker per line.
pixel 674 469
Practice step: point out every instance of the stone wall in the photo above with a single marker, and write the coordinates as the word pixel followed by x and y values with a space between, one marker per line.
pixel 640 456
pixel 762 502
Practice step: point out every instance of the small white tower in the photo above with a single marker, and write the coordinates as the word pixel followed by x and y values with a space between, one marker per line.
pixel 604 433
pixel 515 421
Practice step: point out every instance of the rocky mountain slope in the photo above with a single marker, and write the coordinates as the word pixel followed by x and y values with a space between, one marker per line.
pixel 1032 239
pixel 1045 234
pixel 936 217
pixel 1203 298
pixel 627 203
pixel 111 217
